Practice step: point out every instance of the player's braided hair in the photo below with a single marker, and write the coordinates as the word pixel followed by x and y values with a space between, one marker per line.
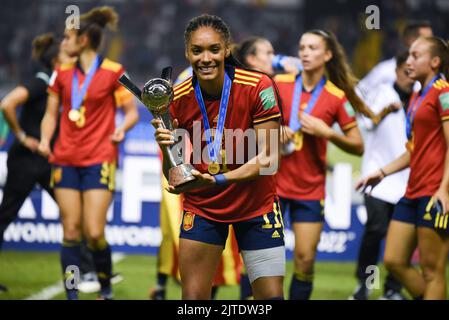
pixel 45 49
pixel 440 48
pixel 340 73
pixel 94 21
pixel 207 20
pixel 215 22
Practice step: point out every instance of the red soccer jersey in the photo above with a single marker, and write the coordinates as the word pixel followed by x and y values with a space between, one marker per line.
pixel 252 100
pixel 302 174
pixel 429 151
pixel 88 141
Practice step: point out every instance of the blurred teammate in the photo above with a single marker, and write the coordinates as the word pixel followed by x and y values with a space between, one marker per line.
pixel 384 72
pixel 25 167
pixel 224 192
pixel 314 100
pixel 85 152
pixel 383 143
pixel 257 53
pixel 421 216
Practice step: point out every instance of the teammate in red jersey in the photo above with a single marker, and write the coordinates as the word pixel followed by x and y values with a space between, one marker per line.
pixel 421 216
pixel 314 100
pixel 85 152
pixel 238 193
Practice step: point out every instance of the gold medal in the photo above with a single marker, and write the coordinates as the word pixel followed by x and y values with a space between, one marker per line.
pixel 298 138
pixel 74 115
pixel 410 146
pixel 213 168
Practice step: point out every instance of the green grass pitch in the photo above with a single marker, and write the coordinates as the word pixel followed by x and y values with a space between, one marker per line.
pixel 27 273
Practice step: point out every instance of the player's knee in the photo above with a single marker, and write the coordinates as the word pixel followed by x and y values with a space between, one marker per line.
pixel 72 232
pixel 393 265
pixel 268 288
pixel 429 270
pixel 195 293
pixel 304 261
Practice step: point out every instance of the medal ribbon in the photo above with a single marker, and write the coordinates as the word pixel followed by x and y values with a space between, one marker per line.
pixel 414 106
pixel 78 95
pixel 295 124
pixel 214 147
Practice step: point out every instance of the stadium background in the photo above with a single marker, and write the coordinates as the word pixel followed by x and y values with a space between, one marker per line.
pixel 150 36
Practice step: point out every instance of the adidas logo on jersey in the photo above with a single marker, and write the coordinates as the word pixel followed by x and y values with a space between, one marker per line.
pixel 275 234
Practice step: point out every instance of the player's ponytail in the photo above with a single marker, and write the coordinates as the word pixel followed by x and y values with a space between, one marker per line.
pixel 440 48
pixel 93 23
pixel 339 72
pixel 45 49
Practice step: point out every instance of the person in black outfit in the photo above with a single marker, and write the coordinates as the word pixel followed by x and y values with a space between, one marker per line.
pixel 26 167
pixel 380 211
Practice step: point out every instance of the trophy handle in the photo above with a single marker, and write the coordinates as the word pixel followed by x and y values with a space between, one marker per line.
pixel 166 73
pixel 174 161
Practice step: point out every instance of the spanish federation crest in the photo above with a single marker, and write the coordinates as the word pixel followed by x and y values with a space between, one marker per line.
pixel 187 222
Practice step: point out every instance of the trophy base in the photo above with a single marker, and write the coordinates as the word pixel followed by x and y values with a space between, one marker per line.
pixel 180 175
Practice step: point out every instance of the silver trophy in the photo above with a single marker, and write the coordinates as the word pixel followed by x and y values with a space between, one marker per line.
pixel 157 94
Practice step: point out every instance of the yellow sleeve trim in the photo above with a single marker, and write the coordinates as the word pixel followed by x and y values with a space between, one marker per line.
pixel 185 89
pixel 273 116
pixel 240 77
pixel 248 73
pixel 182 85
pixel 334 90
pixel 252 84
pixel 110 65
pixel 67 66
pixel 349 126
pixel 122 96
pixel 285 77
pixel 444 118
pixel 441 84
pixel 182 94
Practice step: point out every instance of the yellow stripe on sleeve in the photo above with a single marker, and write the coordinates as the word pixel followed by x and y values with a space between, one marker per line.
pixel 273 116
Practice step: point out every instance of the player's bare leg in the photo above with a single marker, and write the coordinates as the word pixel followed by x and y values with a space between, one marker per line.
pixel 433 252
pixel 400 244
pixel 307 237
pixel 198 263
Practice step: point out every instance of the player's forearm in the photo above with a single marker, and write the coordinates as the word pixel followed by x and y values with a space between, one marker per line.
pixel 265 163
pixel 399 164
pixel 445 181
pixel 48 126
pixel 131 116
pixel 350 144
pixel 9 111
pixel 9 104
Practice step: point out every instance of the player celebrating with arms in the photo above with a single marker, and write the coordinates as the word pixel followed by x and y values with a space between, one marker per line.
pixel 236 194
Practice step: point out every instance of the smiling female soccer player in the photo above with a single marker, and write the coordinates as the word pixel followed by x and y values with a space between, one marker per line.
pixel 228 97
pixel 421 216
